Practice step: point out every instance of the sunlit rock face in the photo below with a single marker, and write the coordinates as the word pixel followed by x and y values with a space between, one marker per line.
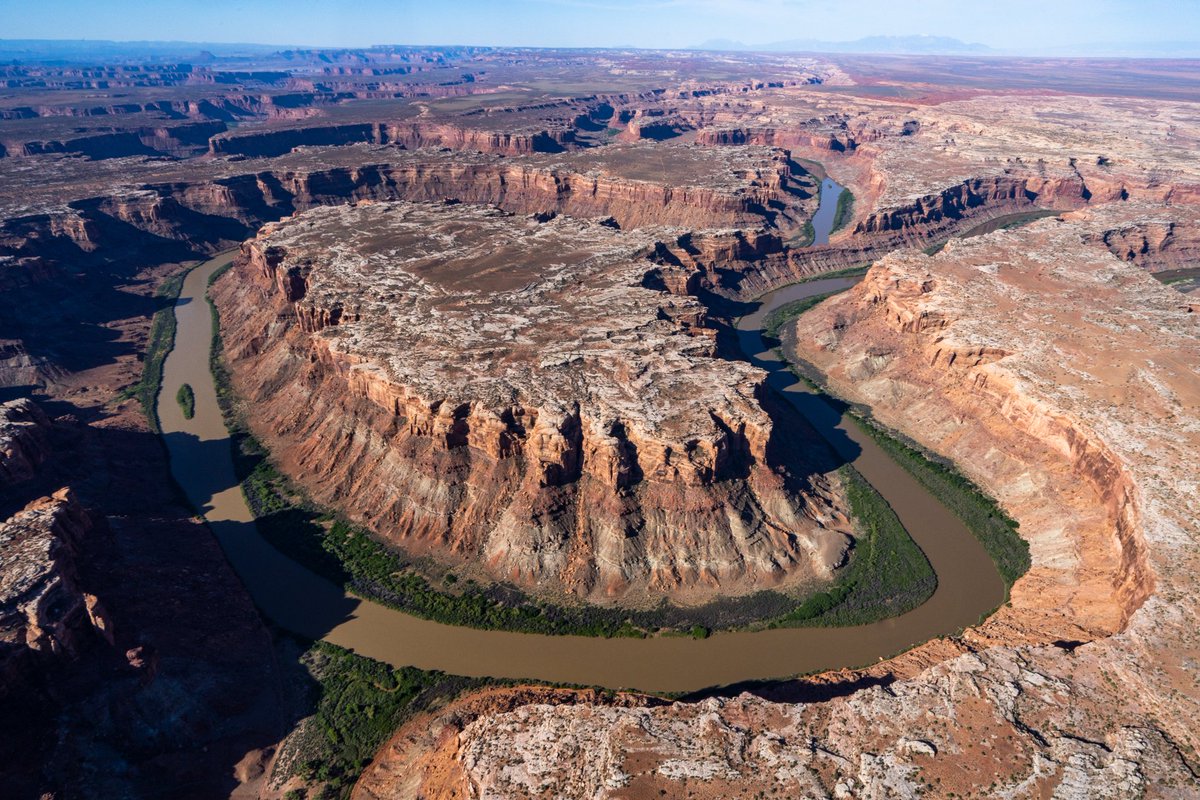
pixel 509 394
pixel 1061 378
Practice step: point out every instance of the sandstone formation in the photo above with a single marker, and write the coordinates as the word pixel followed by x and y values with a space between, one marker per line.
pixel 579 433
pixel 43 611
pixel 23 441
pixel 1059 377
pixel 199 209
pixel 116 173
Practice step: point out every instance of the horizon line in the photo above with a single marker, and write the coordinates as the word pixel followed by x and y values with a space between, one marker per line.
pixel 991 52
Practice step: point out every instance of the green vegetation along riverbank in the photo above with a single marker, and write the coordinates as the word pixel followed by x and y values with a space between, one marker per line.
pixel 349 706
pixel 980 513
pixel 790 311
pixel 886 575
pixel 844 211
pixel 161 340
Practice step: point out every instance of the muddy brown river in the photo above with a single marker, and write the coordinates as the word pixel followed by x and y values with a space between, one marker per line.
pixel 301 601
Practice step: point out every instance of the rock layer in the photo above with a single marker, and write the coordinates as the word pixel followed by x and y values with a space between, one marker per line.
pixel 24 445
pixel 617 457
pixel 43 610
pixel 1060 379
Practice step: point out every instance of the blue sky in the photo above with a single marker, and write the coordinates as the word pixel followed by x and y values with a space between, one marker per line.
pixel 1028 25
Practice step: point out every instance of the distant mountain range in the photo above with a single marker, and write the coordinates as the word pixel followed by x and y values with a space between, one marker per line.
pixel 916 45
pixel 71 50
pixel 74 49
pixel 948 46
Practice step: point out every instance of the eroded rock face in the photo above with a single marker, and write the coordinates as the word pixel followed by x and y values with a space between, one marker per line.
pixel 1060 378
pixel 43 611
pixel 91 200
pixel 489 387
pixel 907 336
pixel 24 444
pixel 1158 239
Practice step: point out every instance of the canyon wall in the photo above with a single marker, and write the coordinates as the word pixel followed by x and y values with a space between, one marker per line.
pixel 24 442
pixel 550 462
pixel 268 142
pixel 43 611
pixel 45 616
pixel 1157 245
pixel 892 338
pixel 206 214
pixel 1060 379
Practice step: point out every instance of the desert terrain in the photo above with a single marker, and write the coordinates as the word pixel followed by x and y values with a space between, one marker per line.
pixel 478 349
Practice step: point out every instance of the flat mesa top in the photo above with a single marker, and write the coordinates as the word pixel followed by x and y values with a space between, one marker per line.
pixel 472 304
pixel 49 183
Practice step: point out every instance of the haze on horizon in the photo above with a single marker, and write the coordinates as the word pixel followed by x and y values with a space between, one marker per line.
pixel 1026 27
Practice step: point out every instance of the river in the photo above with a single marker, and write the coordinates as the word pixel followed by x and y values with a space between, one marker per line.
pixel 301 601
pixel 822 221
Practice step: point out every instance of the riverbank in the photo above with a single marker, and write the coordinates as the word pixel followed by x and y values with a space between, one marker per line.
pixel 159 344
pixel 300 600
pixel 348 555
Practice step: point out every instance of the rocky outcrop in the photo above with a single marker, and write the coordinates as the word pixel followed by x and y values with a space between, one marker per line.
pixel 927 218
pixel 44 614
pixel 24 442
pixel 968 377
pixel 1158 243
pixel 262 142
pixel 268 142
pixel 814 136
pixel 174 219
pixel 423 753
pixel 458 137
pixel 43 611
pixel 181 141
pixel 622 460
pixel 906 740
pixel 1053 374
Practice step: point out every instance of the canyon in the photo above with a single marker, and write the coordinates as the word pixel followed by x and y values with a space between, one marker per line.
pixel 490 316
pixel 556 460
pixel 1018 404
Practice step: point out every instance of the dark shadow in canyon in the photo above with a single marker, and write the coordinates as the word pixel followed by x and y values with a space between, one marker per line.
pixel 797 691
pixel 71 331
pixel 194 679
pixel 8 393
pixel 803 422
pixel 289 594
pixel 69 317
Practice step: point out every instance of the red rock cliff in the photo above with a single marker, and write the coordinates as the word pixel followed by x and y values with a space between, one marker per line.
pixel 620 460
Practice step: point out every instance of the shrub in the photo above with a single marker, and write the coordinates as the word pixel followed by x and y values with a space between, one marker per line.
pixel 187 400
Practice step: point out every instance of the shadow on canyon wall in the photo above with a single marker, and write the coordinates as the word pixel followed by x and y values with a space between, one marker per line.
pixel 195 680
pixel 194 687
pixel 792 691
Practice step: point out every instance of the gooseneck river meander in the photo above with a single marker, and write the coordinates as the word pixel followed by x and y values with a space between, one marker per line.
pixel 301 601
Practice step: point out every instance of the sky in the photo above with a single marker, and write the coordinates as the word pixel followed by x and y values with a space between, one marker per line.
pixel 1029 26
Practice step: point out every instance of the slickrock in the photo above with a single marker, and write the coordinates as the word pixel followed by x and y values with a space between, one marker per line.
pixel 422 756
pixel 1156 238
pixel 162 212
pixel 1060 378
pixel 489 388
pixel 1101 322
pixel 669 181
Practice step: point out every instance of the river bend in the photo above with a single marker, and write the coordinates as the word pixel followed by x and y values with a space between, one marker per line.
pixel 299 600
